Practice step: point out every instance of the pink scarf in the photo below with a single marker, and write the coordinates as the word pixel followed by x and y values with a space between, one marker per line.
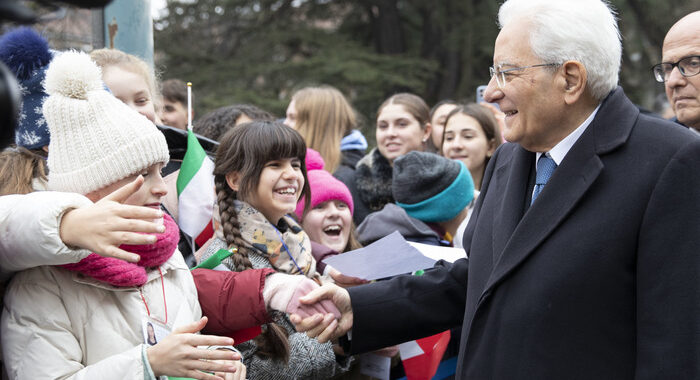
pixel 124 274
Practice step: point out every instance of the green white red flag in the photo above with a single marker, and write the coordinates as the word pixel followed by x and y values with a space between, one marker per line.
pixel 195 186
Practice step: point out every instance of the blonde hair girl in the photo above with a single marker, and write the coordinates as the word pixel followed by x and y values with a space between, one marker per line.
pixel 322 116
pixel 130 80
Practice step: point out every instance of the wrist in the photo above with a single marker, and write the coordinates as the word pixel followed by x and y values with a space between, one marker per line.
pixel 278 290
pixel 64 231
pixel 153 356
pixel 147 370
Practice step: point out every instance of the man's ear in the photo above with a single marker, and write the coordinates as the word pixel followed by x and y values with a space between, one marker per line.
pixel 575 78
pixel 233 180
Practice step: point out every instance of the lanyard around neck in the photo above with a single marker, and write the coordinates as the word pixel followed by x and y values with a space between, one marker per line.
pixel 287 249
pixel 165 305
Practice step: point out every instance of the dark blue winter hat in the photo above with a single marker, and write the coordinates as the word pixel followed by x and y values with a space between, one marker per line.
pixel 27 55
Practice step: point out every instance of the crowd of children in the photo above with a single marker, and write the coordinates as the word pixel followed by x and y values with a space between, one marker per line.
pixel 99 288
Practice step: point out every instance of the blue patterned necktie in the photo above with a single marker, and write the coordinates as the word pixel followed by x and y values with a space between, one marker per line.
pixel 545 168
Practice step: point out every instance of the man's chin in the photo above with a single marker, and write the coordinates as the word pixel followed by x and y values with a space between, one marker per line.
pixel 509 136
pixel 689 118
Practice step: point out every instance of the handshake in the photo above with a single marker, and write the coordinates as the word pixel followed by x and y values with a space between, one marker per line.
pixel 323 312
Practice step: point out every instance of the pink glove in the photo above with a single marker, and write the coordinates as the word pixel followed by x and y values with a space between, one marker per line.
pixel 282 292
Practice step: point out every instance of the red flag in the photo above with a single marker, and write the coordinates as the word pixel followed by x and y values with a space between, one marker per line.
pixel 421 357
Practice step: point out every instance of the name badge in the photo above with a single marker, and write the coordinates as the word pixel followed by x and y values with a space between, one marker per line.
pixel 153 331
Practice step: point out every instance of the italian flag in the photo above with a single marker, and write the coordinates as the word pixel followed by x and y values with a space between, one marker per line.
pixel 195 191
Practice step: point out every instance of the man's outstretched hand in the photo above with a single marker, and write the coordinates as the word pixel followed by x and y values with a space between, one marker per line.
pixel 325 327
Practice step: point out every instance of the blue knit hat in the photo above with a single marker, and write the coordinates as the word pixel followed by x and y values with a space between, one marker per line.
pixel 431 188
pixel 27 55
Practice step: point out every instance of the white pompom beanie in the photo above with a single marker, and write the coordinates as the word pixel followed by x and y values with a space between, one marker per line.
pixel 96 140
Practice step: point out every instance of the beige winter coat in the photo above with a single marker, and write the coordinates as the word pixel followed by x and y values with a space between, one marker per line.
pixel 58 324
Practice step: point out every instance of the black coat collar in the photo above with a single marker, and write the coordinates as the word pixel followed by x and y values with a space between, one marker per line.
pixel 517 232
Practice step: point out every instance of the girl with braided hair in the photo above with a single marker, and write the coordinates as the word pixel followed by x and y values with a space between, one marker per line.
pixel 260 174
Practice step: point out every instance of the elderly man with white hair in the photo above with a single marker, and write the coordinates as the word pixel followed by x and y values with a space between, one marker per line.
pixel 583 248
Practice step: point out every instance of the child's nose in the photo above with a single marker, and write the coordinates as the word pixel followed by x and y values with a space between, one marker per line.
pixel 290 171
pixel 159 188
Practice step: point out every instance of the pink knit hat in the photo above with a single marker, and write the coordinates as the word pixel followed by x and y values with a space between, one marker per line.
pixel 324 187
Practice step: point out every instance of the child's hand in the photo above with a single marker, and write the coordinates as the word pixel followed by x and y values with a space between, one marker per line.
pixel 282 292
pixel 178 354
pixel 325 328
pixel 107 224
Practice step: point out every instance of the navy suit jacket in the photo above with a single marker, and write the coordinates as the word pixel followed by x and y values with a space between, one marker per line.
pixel 598 279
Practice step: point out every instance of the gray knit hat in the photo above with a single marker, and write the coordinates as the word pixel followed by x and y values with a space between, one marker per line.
pixel 431 188
pixel 96 140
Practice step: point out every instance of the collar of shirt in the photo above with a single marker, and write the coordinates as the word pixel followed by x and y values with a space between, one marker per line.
pixel 562 148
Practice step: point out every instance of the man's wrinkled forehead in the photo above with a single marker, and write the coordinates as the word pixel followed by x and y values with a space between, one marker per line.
pixel 683 39
pixel 680 47
pixel 512 46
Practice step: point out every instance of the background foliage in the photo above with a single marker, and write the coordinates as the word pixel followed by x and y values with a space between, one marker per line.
pixel 260 51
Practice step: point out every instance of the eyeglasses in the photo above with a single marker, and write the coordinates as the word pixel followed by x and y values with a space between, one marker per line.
pixel 501 74
pixel 688 67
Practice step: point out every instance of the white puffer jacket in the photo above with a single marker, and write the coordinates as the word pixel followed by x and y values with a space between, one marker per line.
pixel 58 324
pixel 29 231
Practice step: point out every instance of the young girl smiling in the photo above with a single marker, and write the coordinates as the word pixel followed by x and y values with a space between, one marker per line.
pixel 260 174
pixel 471 136
pixel 328 218
pixel 403 125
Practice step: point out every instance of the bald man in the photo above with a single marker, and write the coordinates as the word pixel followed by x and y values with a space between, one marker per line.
pixel 680 67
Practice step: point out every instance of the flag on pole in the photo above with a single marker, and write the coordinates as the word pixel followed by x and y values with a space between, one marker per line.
pixel 195 186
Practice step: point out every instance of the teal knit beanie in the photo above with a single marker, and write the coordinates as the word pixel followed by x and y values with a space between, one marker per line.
pixel 431 188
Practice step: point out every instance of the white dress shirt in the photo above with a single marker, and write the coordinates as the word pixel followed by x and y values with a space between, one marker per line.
pixel 559 151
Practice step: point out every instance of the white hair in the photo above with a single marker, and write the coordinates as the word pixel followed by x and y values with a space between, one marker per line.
pixel 578 30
